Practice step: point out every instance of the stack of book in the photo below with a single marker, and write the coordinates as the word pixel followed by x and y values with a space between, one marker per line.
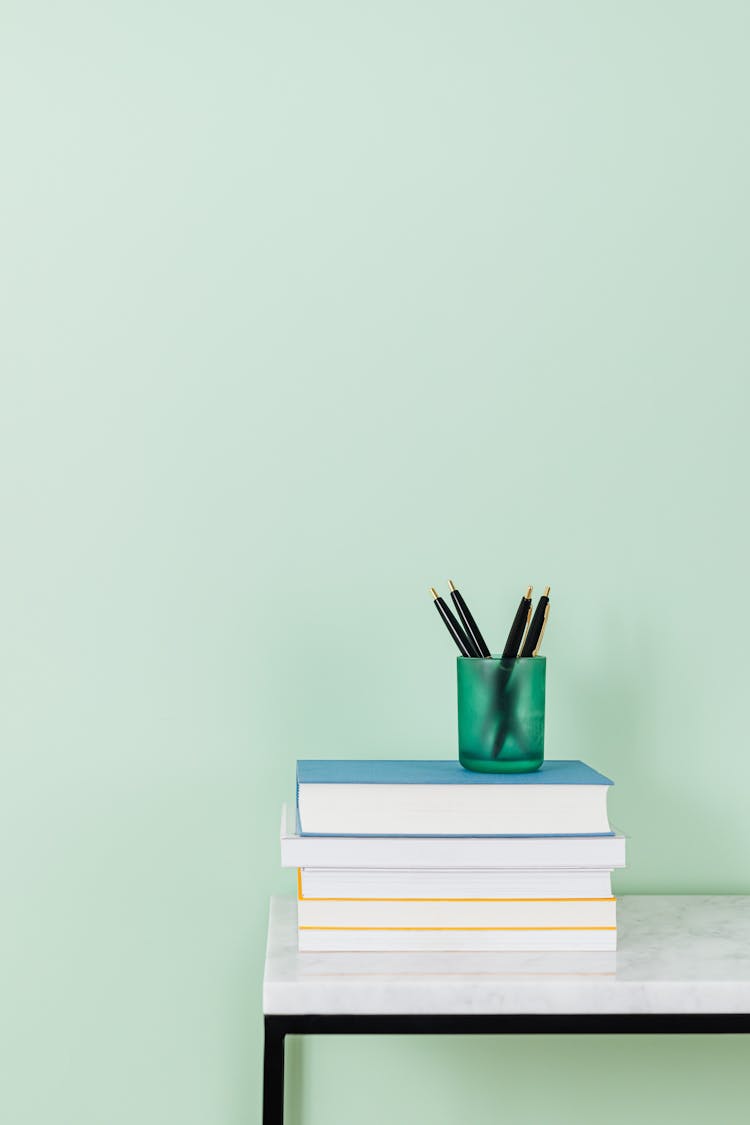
pixel 423 855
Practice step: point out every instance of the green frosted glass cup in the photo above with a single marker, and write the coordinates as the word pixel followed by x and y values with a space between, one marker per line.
pixel 501 713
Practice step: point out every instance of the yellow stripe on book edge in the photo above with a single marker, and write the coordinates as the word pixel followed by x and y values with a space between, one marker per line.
pixel 306 898
pixel 457 927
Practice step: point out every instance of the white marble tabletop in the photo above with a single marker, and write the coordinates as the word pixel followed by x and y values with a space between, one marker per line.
pixel 676 953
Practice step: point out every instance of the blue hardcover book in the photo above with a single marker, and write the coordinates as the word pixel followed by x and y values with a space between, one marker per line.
pixel 441 798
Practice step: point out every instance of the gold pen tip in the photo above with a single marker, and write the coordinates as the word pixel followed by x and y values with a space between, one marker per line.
pixel 546 591
pixel 528 592
pixel 434 593
pixel 450 583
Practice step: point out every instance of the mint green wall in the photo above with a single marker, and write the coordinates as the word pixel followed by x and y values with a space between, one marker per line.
pixel 307 306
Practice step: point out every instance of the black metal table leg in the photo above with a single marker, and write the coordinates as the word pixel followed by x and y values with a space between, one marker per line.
pixel 273 1073
pixel 278 1027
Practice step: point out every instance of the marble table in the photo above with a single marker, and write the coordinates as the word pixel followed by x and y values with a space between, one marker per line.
pixel 682 965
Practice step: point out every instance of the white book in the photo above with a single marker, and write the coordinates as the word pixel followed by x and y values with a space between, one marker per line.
pixel 469 914
pixel 549 852
pixel 430 798
pixel 465 941
pixel 447 882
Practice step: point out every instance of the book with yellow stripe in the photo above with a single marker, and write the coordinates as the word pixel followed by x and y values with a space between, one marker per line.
pixel 452 882
pixel 382 923
pixel 514 914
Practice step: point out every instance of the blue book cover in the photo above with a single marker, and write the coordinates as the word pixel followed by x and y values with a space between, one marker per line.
pixel 325 771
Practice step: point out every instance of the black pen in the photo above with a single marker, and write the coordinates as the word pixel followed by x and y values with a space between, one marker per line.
pixel 470 626
pixel 535 632
pixel 465 645
pixel 520 621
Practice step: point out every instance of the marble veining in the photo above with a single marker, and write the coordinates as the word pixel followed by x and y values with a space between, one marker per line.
pixel 676 953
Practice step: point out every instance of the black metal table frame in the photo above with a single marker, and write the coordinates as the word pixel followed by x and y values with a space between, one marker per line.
pixel 278 1027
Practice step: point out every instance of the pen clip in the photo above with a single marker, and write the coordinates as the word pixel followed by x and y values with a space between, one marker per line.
pixel 525 629
pixel 541 632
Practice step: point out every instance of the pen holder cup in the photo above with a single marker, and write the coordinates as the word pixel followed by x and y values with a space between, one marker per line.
pixel 501 713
